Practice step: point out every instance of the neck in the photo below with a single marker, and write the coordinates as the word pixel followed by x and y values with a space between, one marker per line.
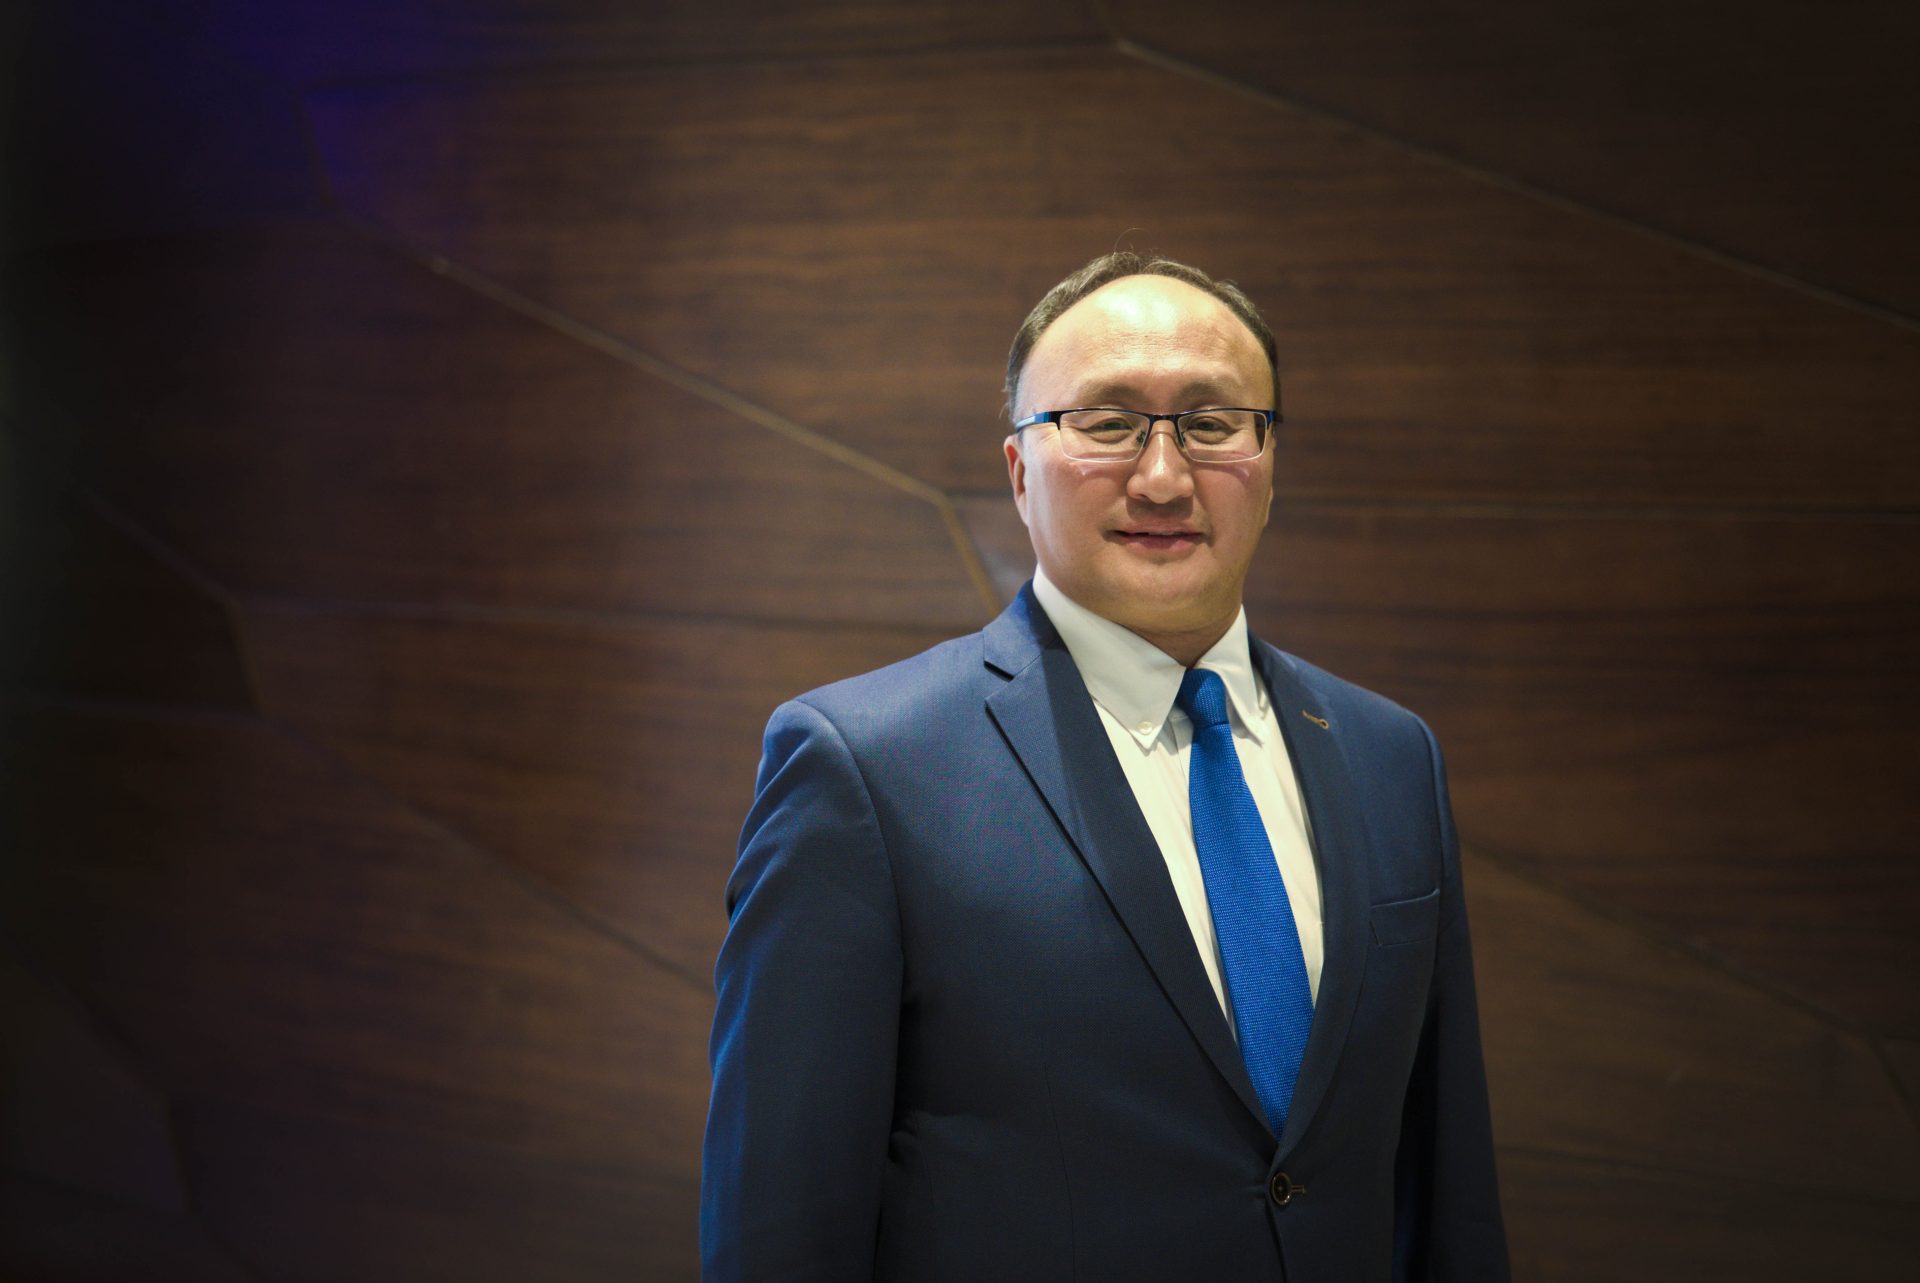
pixel 1187 647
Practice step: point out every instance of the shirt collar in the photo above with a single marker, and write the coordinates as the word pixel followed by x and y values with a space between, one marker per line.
pixel 1136 681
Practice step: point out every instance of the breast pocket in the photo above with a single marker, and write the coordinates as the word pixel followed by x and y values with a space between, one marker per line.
pixel 1412 921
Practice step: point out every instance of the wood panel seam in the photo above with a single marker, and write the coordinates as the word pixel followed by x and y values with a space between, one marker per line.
pixel 93 1017
pixel 1900 1088
pixel 159 549
pixel 175 1111
pixel 124 1055
pixel 233 609
pixel 431 822
pixel 196 576
pixel 610 345
pixel 321 174
pixel 1534 873
pixel 699 386
pixel 529 882
pixel 969 555
pixel 1506 182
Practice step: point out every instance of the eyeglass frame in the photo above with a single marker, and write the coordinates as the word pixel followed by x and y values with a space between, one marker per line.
pixel 1264 428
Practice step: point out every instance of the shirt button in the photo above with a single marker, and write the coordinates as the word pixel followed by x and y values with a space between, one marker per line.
pixel 1145 727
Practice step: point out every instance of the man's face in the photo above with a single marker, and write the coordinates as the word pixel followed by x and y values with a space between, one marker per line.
pixel 1158 545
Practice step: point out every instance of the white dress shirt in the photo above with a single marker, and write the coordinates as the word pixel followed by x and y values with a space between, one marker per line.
pixel 1133 684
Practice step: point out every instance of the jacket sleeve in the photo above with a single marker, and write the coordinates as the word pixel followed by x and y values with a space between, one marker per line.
pixel 1447 1224
pixel 806 1027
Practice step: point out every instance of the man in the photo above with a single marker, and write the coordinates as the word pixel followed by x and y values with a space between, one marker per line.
pixel 1106 943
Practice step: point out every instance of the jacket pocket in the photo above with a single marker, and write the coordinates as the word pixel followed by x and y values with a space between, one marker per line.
pixel 1406 921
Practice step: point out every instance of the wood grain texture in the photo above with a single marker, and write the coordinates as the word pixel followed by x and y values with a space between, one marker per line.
pixel 1707 723
pixel 307 414
pixel 412 963
pixel 614 763
pixel 1903 1058
pixel 1704 721
pixel 1766 130
pixel 1605 1045
pixel 1000 538
pixel 57 1235
pixel 380 1206
pixel 74 1114
pixel 853 244
pixel 309 40
pixel 1571 1221
pixel 124 126
pixel 81 588
pixel 269 934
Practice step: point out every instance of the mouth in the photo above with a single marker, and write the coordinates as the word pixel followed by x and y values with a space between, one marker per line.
pixel 1153 538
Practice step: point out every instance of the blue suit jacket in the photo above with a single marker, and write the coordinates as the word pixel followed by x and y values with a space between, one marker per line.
pixel 963 1032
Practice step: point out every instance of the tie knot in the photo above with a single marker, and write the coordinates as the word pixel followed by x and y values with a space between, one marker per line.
pixel 1203 697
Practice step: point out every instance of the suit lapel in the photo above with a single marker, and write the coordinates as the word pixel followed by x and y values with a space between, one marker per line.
pixel 1051 724
pixel 1339 850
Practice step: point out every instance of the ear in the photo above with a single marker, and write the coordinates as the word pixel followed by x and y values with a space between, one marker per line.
pixel 1017 474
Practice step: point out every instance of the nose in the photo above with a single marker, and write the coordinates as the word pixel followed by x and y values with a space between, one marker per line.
pixel 1160 474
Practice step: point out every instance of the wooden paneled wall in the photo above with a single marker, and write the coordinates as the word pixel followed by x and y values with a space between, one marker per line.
pixel 438 434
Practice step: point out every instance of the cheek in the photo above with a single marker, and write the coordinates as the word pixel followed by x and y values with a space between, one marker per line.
pixel 1042 511
pixel 1062 503
pixel 1241 516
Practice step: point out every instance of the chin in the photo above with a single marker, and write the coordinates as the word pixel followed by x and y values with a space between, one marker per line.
pixel 1169 590
pixel 1166 612
pixel 1162 597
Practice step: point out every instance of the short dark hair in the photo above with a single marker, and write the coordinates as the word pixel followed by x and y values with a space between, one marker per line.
pixel 1104 271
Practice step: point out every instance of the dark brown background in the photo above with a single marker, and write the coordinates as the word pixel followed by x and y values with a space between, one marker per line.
pixel 439 432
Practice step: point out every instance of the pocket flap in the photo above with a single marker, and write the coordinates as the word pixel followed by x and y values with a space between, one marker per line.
pixel 1406 921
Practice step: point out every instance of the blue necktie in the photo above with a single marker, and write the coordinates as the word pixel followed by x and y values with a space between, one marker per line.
pixel 1265 974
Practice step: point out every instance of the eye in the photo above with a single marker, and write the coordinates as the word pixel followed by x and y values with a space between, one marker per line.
pixel 1105 428
pixel 1209 427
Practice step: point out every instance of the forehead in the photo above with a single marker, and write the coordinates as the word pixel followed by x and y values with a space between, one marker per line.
pixel 1151 337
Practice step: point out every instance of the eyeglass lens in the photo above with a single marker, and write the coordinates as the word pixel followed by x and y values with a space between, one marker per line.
pixel 1210 436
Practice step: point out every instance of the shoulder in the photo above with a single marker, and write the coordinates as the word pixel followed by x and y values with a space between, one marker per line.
pixel 1356 704
pixel 927 707
pixel 921 691
pixel 1369 724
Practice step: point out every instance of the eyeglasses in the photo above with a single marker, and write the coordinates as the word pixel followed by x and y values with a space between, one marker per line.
pixel 1224 435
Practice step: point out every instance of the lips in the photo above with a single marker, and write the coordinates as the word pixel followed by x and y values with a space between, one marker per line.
pixel 1158 538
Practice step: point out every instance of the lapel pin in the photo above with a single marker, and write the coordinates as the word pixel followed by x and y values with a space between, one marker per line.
pixel 1321 722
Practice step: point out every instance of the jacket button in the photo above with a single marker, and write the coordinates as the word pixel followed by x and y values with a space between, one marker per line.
pixel 1281 1189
